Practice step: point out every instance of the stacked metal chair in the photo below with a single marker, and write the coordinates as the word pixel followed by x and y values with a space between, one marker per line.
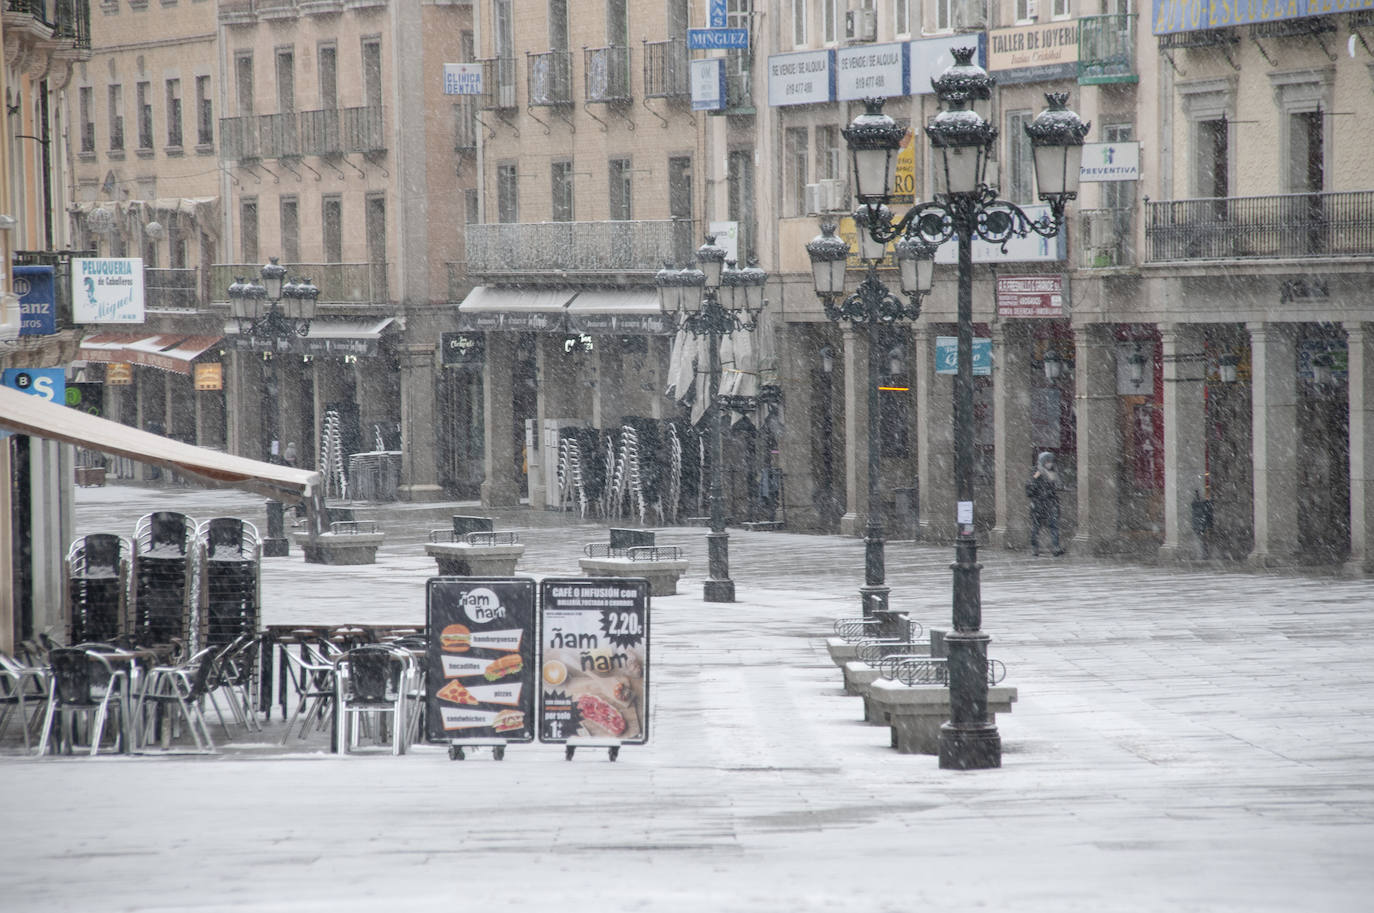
pixel 164 578
pixel 96 588
pixel 229 552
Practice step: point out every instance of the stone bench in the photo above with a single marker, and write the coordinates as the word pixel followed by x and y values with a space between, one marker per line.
pixel 347 542
pixel 915 713
pixel 849 631
pixel 478 554
pixel 661 565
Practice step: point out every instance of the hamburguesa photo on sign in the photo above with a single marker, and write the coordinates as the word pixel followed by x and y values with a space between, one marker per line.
pixel 594 675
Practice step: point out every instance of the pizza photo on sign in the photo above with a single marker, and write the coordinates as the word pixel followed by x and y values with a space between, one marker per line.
pixel 454 692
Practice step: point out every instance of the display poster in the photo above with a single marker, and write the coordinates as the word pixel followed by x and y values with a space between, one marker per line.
pixel 801 78
pixel 119 374
pixel 479 682
pixel 869 71
pixel 37 300
pixel 947 355
pixel 708 84
pixel 1038 295
pixel 107 290
pixel 209 375
pixel 594 663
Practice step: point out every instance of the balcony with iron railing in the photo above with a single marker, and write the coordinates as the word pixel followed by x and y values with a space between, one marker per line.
pixel 343 286
pixel 1106 49
pixel 739 93
pixel 1286 226
pixel 534 251
pixel 607 75
pixel 326 132
pixel 498 81
pixel 171 289
pixel 69 20
pixel 666 69
pixel 550 78
pixel 465 126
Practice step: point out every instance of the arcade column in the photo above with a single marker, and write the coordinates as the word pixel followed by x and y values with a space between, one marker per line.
pixel 1185 445
pixel 1360 349
pixel 856 420
pixel 1274 369
pixel 419 445
pixel 1099 439
pixel 1011 429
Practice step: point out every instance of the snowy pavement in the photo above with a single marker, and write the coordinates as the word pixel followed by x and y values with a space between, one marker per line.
pixel 1183 741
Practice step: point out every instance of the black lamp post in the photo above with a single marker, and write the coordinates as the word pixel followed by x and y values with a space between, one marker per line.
pixel 872 305
pixel 965 207
pixel 714 300
pixel 290 306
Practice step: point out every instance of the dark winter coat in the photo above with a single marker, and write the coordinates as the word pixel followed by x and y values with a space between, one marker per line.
pixel 1041 490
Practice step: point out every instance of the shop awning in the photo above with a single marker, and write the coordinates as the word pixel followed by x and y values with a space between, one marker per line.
pixel 165 351
pixel 22 413
pixel 493 308
pixel 327 336
pixel 619 311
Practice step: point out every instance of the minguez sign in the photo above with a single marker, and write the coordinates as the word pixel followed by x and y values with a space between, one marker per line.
pixel 717 39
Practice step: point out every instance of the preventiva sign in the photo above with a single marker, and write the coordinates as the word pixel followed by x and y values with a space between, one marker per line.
pixel 1110 162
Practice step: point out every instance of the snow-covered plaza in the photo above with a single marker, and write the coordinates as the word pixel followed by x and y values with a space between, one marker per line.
pixel 1185 739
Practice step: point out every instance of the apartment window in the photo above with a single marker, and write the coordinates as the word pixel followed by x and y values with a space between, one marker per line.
pixel 830 18
pixel 174 132
pixel 326 64
pixel 1118 194
pixel 205 113
pixel 372 72
pixel 799 23
pixel 1306 159
pixel 680 187
pixel 507 194
pixel 176 246
pixel 901 17
pixel 290 230
pixel 1059 9
pixel 561 191
pixel 85 103
pixel 243 83
pixel 795 161
pixel 286 80
pixel 331 212
pixel 375 226
pixel 944 14
pixel 739 180
pixel 558 25
pixel 248 230
pixel 149 253
pixel 1211 177
pixel 829 153
pixel 1019 173
pixel 1023 10
pixel 144 103
pixel 617 24
pixel 621 204
pixel 116 113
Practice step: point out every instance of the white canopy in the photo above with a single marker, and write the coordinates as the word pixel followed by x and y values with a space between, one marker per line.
pixel 23 413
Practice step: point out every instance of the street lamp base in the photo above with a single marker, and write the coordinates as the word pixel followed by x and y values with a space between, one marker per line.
pixel 273 547
pixel 970 746
pixel 719 590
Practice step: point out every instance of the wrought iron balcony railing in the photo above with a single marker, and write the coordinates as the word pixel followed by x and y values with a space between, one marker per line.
pixel 666 69
pixel 349 286
pixel 1106 49
pixel 607 73
pixel 70 20
pixel 498 81
pixel 1294 225
pixel 171 289
pixel 326 131
pixel 739 94
pixel 535 250
pixel 550 78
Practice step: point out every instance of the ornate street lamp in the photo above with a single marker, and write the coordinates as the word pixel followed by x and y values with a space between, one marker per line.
pixel 290 304
pixel 965 207
pixel 714 301
pixel 872 305
pixel 290 307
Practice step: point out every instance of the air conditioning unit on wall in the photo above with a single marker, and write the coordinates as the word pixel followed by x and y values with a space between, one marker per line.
pixel 861 25
pixel 811 199
pixel 832 196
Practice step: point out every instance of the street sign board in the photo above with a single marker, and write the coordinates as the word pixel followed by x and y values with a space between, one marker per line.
pixel 479 663
pixel 107 290
pixel 947 355
pixel 715 13
pixel 594 659
pixel 717 39
pixel 708 84
pixel 1040 295
pixel 1110 162
pixel 45 383
pixel 462 79
pixel 37 300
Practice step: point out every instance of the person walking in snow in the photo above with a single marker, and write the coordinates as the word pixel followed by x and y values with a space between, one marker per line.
pixel 1043 492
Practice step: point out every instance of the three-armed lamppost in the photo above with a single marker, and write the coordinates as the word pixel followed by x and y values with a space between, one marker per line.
pixel 290 306
pixel 872 305
pixel 965 207
pixel 714 300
